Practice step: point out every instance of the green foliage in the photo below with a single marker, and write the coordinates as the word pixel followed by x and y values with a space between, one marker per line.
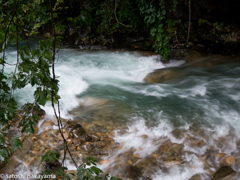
pixel 155 17
pixel 86 171
pixel 32 67
pixel 16 143
pixel 201 21
pixel 50 156
pixel 216 25
pixel 140 16
pixel 19 20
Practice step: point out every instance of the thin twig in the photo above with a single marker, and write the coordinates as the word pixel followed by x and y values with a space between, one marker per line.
pixel 5 44
pixel 12 91
pixel 53 94
pixel 116 15
pixel 189 22
pixel 175 32
pixel 189 26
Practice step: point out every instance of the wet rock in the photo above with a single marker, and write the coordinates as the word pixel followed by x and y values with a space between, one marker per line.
pixel 2 164
pixel 52 165
pixel 84 139
pixel 144 136
pixel 47 124
pixel 134 172
pixel 201 143
pixel 99 134
pixel 105 161
pixel 65 134
pixel 148 162
pixel 18 156
pixel 228 161
pixel 35 162
pixel 79 132
pixel 76 141
pixel 94 137
pixel 88 147
pixel 130 162
pixel 144 178
pixel 99 129
pixel 177 133
pixel 60 147
pixel 40 113
pixel 34 138
pixel 77 127
pixel 225 173
pixel 78 148
pixel 137 155
pixel 69 125
pixel 212 61
pixel 13 131
pixel 221 155
pixel 238 142
pixel 30 108
pixel 196 177
pixel 177 148
pixel 209 172
pixel 164 75
pixel 172 163
pixel 54 132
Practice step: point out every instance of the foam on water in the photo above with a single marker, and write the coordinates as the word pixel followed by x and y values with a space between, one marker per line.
pixel 206 99
pixel 78 71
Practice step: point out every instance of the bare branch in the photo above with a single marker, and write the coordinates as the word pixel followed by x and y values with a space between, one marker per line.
pixel 189 22
pixel 116 15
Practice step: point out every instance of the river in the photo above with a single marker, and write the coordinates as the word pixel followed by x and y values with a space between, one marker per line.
pixel 203 107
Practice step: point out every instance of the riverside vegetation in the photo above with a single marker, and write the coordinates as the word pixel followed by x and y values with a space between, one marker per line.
pixel 20 19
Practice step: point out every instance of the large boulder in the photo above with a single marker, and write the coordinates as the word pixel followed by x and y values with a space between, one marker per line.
pixel 164 75
pixel 228 161
pixel 225 173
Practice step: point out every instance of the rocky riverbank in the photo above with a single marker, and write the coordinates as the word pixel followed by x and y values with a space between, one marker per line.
pixel 184 149
pixel 191 59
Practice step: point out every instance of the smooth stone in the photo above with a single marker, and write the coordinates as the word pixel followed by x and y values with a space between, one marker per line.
pixel 164 75
pixel 228 161
pixel 225 173
pixel 196 177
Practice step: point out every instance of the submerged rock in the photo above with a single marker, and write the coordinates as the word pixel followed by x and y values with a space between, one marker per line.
pixel 177 133
pixel 177 148
pixel 163 75
pixel 196 177
pixel 134 172
pixel 225 173
pixel 144 178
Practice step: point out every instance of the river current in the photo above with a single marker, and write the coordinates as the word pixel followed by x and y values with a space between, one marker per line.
pixel 204 105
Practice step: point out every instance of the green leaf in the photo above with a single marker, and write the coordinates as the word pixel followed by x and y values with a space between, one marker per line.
pixel 16 144
pixel 89 174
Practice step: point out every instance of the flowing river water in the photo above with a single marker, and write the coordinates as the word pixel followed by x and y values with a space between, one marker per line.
pixel 199 111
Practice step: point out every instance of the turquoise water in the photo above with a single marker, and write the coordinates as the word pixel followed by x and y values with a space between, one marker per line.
pixel 109 85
